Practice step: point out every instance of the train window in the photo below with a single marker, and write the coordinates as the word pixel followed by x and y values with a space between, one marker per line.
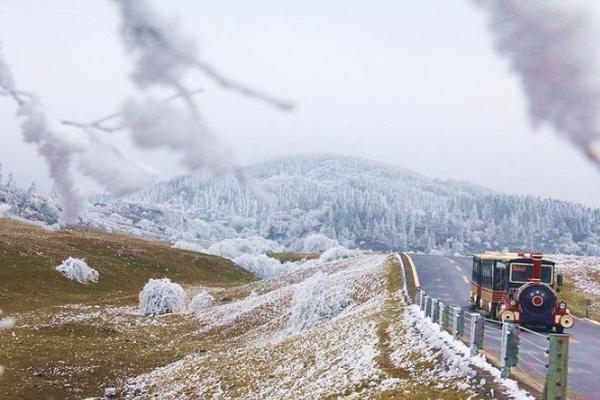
pixel 487 268
pixel 499 275
pixel 547 274
pixel 520 273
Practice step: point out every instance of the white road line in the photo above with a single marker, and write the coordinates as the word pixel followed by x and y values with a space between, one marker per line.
pixel 466 279
pixel 458 268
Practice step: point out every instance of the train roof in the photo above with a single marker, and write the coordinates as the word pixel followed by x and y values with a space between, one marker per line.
pixel 508 257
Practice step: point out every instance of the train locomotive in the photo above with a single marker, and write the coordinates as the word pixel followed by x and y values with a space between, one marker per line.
pixel 518 287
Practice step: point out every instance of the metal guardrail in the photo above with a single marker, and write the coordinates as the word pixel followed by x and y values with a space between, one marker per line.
pixel 529 356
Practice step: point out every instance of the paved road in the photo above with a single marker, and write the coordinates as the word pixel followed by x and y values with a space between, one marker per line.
pixel 447 278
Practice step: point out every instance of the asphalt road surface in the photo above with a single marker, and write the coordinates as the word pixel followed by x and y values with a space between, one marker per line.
pixel 448 278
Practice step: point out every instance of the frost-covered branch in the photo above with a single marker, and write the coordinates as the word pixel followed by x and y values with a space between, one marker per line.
pixel 89 155
pixel 99 124
pixel 550 47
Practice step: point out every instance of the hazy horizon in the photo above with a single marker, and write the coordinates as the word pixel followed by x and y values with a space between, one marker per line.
pixel 418 86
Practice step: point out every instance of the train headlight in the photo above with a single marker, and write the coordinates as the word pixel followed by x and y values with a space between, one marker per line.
pixel 513 302
pixel 566 321
pixel 562 305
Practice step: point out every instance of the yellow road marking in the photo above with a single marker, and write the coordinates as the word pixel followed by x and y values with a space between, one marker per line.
pixel 413 269
pixel 573 340
pixel 466 280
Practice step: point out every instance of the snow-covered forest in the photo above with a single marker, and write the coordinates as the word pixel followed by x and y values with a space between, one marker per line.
pixel 360 203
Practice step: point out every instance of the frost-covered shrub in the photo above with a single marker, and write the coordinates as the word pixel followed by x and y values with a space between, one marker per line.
pixel 185 245
pixel 201 301
pixel 337 253
pixel 316 300
pixel 262 265
pixel 317 243
pixel 233 248
pixel 4 209
pixel 5 323
pixel 161 296
pixel 78 270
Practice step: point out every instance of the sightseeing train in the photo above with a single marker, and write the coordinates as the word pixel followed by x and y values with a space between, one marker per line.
pixel 521 288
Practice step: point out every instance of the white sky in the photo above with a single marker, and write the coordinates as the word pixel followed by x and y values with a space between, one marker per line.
pixel 415 84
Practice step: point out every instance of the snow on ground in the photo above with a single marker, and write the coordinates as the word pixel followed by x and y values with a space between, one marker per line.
pixel 161 296
pixel 583 271
pixel 426 337
pixel 78 270
pixel 321 331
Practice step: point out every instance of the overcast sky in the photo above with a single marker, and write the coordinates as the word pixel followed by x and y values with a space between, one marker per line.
pixel 412 83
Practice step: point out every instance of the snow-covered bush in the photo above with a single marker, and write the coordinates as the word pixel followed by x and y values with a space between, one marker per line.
pixel 78 270
pixel 337 253
pixel 161 296
pixel 201 301
pixel 263 266
pixel 316 300
pixel 317 243
pixel 233 248
pixel 185 245
pixel 5 323
pixel 4 209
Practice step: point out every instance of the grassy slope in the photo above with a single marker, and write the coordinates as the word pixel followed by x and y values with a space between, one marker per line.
pixel 293 256
pixel 74 359
pixel 29 254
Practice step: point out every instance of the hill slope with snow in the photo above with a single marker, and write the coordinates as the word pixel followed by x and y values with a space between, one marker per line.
pixel 356 201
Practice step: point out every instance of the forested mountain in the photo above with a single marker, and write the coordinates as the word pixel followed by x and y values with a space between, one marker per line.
pixel 359 202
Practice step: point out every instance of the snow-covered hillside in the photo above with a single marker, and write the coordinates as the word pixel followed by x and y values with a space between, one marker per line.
pixel 358 202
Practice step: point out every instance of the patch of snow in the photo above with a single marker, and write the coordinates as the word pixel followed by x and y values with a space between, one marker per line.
pixel 583 271
pixel 161 296
pixel 338 253
pixel 201 301
pixel 318 243
pixel 78 270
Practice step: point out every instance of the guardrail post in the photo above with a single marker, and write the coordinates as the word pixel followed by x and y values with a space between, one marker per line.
pixel 428 306
pixel 477 332
pixel 509 348
pixel 588 308
pixel 435 310
pixel 558 365
pixel 458 323
pixel 443 308
pixel 417 298
pixel 445 316
pixel 422 300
